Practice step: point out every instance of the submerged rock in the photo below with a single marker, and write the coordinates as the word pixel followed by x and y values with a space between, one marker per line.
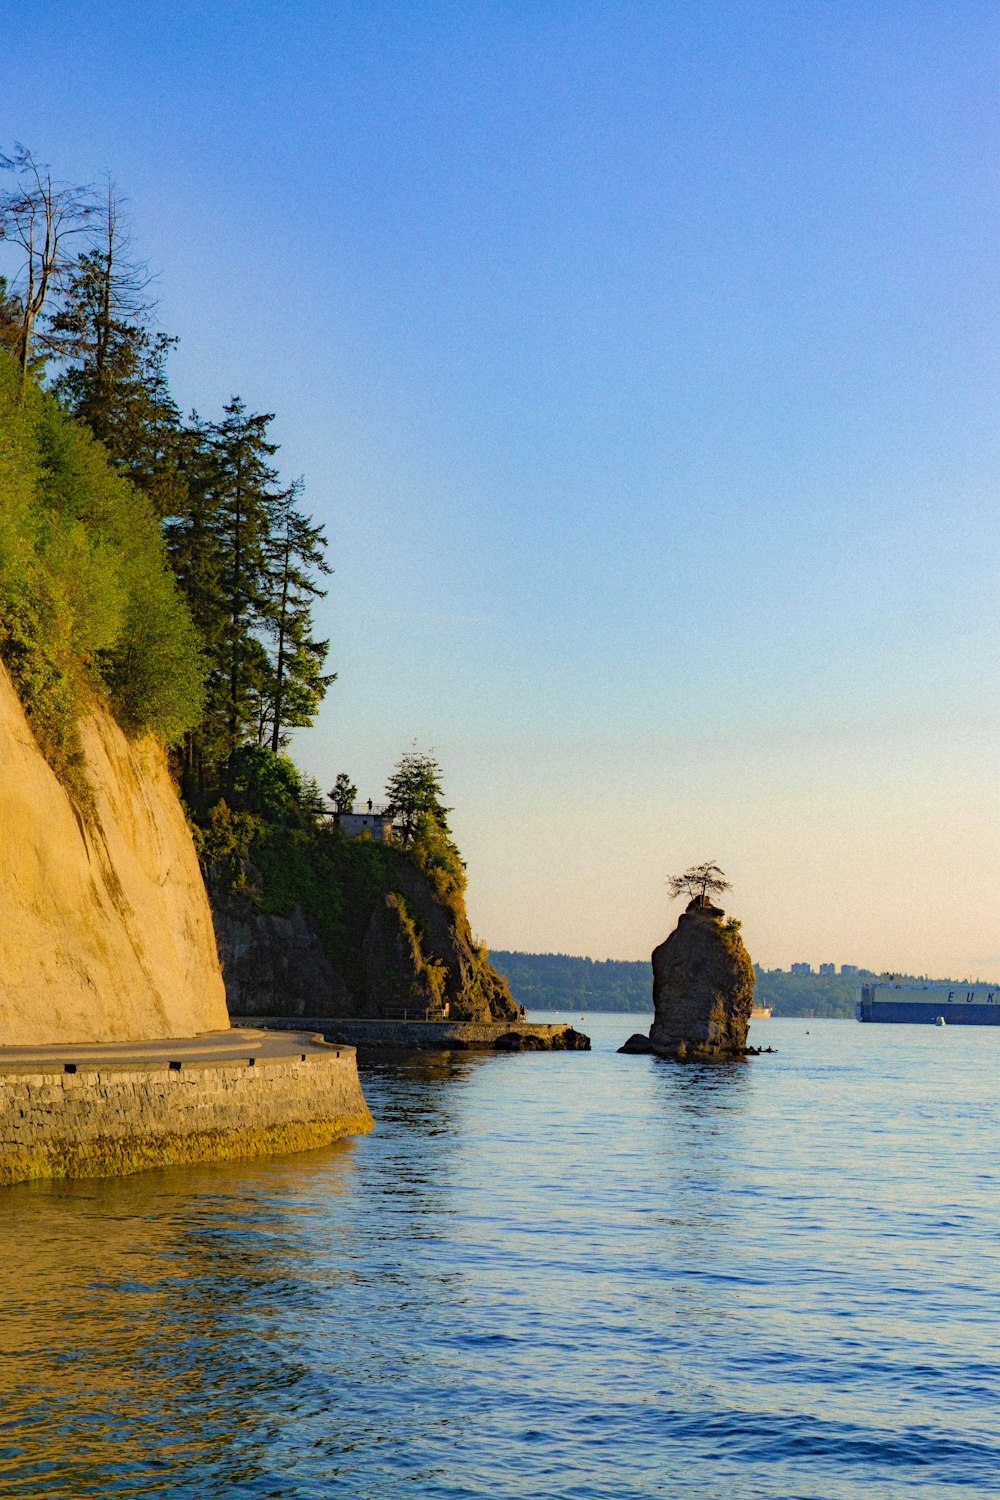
pixel 703 983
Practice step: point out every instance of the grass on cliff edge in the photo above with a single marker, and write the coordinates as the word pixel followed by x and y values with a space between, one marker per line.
pixel 88 604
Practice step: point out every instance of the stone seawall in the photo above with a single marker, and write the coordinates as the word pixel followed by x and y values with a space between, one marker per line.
pixel 423 1036
pixel 117 1114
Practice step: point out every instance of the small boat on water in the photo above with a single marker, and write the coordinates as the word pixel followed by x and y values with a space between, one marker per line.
pixel 760 1013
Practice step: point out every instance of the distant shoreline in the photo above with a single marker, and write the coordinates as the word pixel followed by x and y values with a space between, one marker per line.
pixel 558 981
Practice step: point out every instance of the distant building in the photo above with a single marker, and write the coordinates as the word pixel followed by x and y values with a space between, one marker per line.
pixel 848 968
pixel 378 825
pixel 828 969
pixel 801 968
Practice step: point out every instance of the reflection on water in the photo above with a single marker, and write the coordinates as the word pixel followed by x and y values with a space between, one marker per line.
pixel 575 1275
pixel 141 1313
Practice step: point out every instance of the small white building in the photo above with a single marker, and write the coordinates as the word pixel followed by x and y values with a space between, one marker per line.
pixel 377 824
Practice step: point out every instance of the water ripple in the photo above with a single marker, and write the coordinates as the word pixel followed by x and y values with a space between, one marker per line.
pixel 544 1278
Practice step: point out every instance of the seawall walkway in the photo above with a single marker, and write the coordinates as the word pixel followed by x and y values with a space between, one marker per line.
pixel 90 1110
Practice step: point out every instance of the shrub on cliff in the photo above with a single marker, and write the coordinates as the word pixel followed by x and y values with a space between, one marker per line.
pixel 87 602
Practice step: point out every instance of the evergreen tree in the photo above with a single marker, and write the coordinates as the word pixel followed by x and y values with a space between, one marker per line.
pixel 344 793
pixel 414 794
pixel 243 497
pixel 11 313
pixel 194 547
pixel 296 554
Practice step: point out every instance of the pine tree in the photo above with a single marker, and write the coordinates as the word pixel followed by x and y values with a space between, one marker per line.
pixel 414 793
pixel 343 793
pixel 244 497
pixel 296 554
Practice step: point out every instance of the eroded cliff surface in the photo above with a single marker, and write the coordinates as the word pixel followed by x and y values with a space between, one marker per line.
pixel 413 955
pixel 106 932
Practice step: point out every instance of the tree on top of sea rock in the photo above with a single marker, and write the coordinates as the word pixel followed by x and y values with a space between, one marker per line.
pixel 699 882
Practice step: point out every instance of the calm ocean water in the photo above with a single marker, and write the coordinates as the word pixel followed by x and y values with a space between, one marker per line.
pixel 541 1276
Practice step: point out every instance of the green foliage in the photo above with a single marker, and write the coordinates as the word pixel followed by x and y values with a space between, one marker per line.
pixel 224 841
pixel 730 930
pixel 433 851
pixel 11 314
pixel 87 603
pixel 246 559
pixel 557 981
pixel 833 995
pixel 413 791
pixel 343 793
pixel 336 881
pixel 295 551
pixel 269 784
pixel 431 970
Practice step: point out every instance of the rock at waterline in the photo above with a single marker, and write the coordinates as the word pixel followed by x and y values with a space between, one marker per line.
pixel 703 983
pixel 638 1042
pixel 567 1040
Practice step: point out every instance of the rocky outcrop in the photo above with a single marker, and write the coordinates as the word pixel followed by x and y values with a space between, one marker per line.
pixel 417 959
pixel 273 964
pixel 637 1043
pixel 557 1039
pixel 399 980
pixel 470 988
pixel 703 983
pixel 106 933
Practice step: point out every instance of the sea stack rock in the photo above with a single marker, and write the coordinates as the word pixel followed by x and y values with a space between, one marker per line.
pixel 702 987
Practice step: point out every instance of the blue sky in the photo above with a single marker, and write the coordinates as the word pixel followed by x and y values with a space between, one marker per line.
pixel 641 361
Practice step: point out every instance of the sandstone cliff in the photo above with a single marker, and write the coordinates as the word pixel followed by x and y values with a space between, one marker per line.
pixel 106 933
pixel 703 983
pixel 413 953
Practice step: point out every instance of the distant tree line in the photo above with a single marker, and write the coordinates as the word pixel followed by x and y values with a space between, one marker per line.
pixel 76 318
pixel 556 981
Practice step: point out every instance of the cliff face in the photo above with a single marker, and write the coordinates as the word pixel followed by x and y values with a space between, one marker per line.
pixel 106 933
pixel 416 956
pixel 703 983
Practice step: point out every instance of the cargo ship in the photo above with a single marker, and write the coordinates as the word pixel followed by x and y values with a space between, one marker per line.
pixel 936 1004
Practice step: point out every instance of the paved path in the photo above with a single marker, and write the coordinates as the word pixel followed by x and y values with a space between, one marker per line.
pixel 210 1047
pixel 443 1036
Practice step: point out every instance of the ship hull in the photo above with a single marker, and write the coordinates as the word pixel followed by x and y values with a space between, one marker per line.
pixel 916 1012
